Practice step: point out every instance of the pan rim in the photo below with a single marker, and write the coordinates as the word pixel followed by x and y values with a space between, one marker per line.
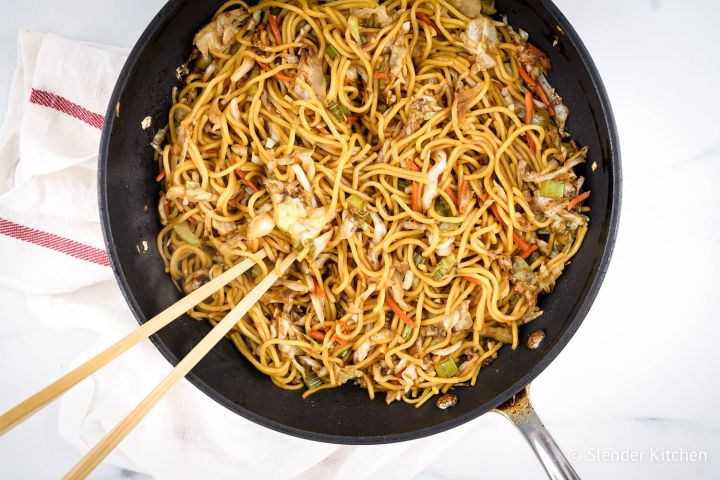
pixel 608 242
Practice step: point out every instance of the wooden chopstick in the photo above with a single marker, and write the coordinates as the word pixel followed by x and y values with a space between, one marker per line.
pixel 29 406
pixel 96 455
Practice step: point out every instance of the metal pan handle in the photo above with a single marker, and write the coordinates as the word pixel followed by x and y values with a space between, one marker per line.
pixel 520 412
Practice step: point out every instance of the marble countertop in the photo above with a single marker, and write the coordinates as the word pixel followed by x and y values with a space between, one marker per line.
pixel 633 395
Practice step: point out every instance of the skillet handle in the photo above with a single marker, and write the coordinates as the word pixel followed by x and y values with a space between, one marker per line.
pixel 520 412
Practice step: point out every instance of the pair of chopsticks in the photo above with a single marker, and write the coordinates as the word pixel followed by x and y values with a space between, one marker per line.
pixel 93 458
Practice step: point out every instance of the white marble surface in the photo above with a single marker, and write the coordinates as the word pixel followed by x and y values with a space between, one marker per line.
pixel 634 394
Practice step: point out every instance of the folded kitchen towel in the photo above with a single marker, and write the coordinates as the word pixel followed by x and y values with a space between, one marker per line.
pixel 53 251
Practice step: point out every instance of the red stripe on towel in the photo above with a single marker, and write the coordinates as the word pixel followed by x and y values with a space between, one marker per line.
pixel 62 104
pixel 54 242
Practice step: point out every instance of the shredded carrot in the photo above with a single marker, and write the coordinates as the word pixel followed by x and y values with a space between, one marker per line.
pixel 525 76
pixel 543 97
pixel 317 334
pixel 261 26
pixel 537 50
pixel 574 144
pixel 529 110
pixel 275 29
pixel 453 196
pixel 415 196
pixel 160 176
pixel 473 280
pixel 318 289
pixel 577 200
pixel 339 340
pixel 250 184
pixel 192 221
pixel 379 75
pixel 526 253
pixel 464 196
pixel 398 311
pixel 425 19
pixel 279 76
pixel 351 119
pixel 516 238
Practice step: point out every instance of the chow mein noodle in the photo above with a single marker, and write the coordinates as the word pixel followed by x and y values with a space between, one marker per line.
pixel 412 152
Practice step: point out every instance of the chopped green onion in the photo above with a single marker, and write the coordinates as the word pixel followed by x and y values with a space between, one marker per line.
pixel 313 382
pixel 444 267
pixel 552 189
pixel 331 52
pixel 185 232
pixel 203 62
pixel 442 207
pixel 403 184
pixel 340 111
pixel 407 332
pixel 487 7
pixel 570 148
pixel 446 368
pixel 356 203
pixel 256 271
pixel 533 256
pixel 541 118
pixel 355 28
pixel 419 259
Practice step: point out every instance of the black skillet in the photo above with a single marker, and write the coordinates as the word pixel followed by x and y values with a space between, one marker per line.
pixel 128 196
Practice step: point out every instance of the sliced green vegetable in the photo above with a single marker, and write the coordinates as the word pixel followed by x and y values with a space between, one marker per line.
pixel 356 203
pixel 443 267
pixel 570 148
pixel 541 118
pixel 203 62
pixel 533 256
pixel 340 111
pixel 407 332
pixel 552 189
pixel 419 259
pixel 354 27
pixel 403 184
pixel 442 207
pixel 331 52
pixel 185 232
pixel 313 382
pixel 447 368
pixel 487 7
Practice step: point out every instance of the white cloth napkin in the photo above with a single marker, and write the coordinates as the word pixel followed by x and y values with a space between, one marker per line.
pixel 53 250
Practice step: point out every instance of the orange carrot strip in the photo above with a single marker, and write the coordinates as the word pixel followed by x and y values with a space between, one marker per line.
pixel 526 253
pixel 453 196
pixel 575 145
pixel 379 75
pixel 525 76
pixel 425 19
pixel 529 110
pixel 415 196
pixel 318 289
pixel 516 238
pixel 543 97
pixel 398 311
pixel 339 340
pixel 577 200
pixel 160 176
pixel 250 184
pixel 279 76
pixel 317 334
pixel 473 280
pixel 275 29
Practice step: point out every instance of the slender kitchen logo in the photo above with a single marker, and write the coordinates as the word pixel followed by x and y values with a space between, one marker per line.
pixel 627 455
